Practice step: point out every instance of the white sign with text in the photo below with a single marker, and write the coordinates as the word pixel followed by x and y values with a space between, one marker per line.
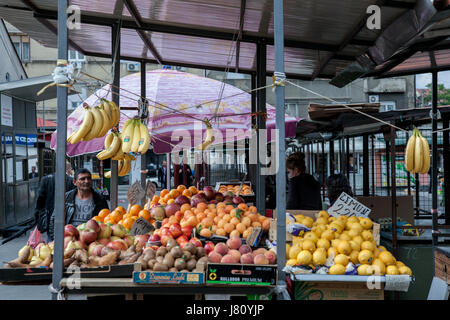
pixel 345 205
pixel 6 111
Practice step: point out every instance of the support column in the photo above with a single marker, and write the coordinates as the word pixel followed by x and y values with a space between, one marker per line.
pixel 280 125
pixel 261 53
pixel 393 192
pixel 60 176
pixel 143 157
pixel 446 153
pixel 115 49
pixel 374 183
pixel 253 167
pixel 168 178
pixel 331 142
pixel 324 161
pixel 366 190
pixel 434 161
pixel 347 158
pixel 388 175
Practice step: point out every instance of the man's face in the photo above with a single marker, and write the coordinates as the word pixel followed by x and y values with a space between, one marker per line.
pixel 164 163
pixel 83 182
pixel 33 169
pixel 293 172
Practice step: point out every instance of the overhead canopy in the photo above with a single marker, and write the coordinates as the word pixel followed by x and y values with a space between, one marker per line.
pixel 321 37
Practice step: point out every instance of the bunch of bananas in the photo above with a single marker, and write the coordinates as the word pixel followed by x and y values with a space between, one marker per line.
pixel 135 136
pixel 417 158
pixel 113 147
pixel 209 136
pixel 123 168
pixel 97 122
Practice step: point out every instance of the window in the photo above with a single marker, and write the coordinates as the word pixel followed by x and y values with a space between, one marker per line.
pixel 387 106
pixel 22 46
pixel 76 56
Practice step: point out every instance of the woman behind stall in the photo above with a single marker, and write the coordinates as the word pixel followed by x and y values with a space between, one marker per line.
pixel 336 184
pixel 303 189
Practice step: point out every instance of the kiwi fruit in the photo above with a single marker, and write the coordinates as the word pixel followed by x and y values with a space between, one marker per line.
pixel 169 260
pixel 162 251
pixel 201 252
pixel 151 263
pixel 191 248
pixel 149 254
pixel 171 243
pixel 184 270
pixel 180 264
pixel 186 255
pixel 204 259
pixel 176 252
pixel 159 259
pixel 191 264
pixel 201 265
pixel 160 267
pixel 173 269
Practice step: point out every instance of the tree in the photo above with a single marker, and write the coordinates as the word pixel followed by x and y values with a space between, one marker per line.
pixel 443 95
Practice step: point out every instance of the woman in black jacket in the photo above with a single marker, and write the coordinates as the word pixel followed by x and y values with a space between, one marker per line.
pixel 303 189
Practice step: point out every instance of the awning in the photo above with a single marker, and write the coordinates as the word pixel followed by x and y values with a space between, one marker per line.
pixel 47 124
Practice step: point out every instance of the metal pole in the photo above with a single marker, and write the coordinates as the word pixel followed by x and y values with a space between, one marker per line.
pixel 324 161
pixel 347 158
pixel 354 167
pixel 434 159
pixel 366 189
pixel 387 168
pixel 417 194
pixel 143 156
pixel 168 171
pixel 261 65
pixel 331 151
pixel 393 193
pixel 60 176
pixel 372 137
pixel 446 153
pixel 115 54
pixel 280 124
pixel 408 174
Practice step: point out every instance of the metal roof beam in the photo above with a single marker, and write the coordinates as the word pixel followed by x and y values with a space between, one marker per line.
pixel 241 27
pixel 145 38
pixel 398 4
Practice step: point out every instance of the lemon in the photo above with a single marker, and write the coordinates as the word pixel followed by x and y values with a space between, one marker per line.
pixel 354 257
pixel 367 235
pixel 366 223
pixel 341 259
pixel 322 220
pixel 323 214
pixel 354 232
pixel 317 231
pixel 355 245
pixel 332 251
pixel 392 270
pixel 335 243
pixel 294 251
pixel 379 267
pixel 399 264
pixel 365 257
pixel 353 219
pixel 344 247
pixel 362 269
pixel 297 241
pixel 405 270
pixel 328 234
pixel 358 239
pixel 376 252
pixel 343 219
pixel 308 244
pixel 387 258
pixel 319 257
pixel 291 262
pixel 311 235
pixel 299 218
pixel 308 221
pixel 288 247
pixel 382 248
pixel 323 243
pixel 345 236
pixel 335 226
pixel 337 269
pixel 367 245
pixel 331 219
pixel 304 257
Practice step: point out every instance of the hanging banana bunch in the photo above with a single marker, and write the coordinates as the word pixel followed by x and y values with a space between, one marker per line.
pixel 209 136
pixel 97 122
pixel 135 137
pixel 124 165
pixel 417 156
pixel 113 144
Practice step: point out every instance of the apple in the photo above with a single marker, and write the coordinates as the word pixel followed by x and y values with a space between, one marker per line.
pixel 97 250
pixel 165 239
pixel 175 230
pixel 67 240
pixel 114 238
pixel 124 242
pixel 104 241
pixel 93 225
pixel 180 200
pixel 187 230
pixel 71 231
pixel 198 198
pixel 117 245
pixel 75 245
pixel 141 239
pixel 212 202
pixel 183 244
pixel 105 231
pixel 88 235
pixel 210 193
pixel 81 227
pixel 179 215
pixel 92 246
pixel 158 213
pixel 118 230
pixel 171 209
pixel 214 257
pixel 209 246
pixel 196 242
pixel 165 231
pixel 155 237
pixel 129 240
pixel 182 238
pixel 238 200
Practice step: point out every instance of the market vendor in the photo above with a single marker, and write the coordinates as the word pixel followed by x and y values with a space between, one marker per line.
pixel 82 203
pixel 303 188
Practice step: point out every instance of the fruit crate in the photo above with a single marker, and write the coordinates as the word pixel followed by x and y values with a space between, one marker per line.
pixel 45 273
pixel 234 183
pixel 442 263
pixel 241 274
pixel 161 277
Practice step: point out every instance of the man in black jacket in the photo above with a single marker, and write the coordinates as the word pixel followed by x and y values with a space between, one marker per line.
pixel 82 203
pixel 45 202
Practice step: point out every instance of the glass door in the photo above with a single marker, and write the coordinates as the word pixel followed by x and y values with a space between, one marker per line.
pixel 8 178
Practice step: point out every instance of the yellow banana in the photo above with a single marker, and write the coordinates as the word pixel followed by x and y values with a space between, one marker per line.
pixel 108 140
pixel 127 137
pixel 106 123
pixel 70 137
pixel 409 154
pixel 136 136
pixel 128 156
pixel 112 150
pixel 108 175
pixel 209 136
pixel 426 155
pixel 119 155
pixel 120 166
pixel 96 127
pixel 126 124
pixel 108 105
pixel 125 168
pixel 144 142
pixel 116 112
pixel 418 154
pixel 105 106
pixel 86 125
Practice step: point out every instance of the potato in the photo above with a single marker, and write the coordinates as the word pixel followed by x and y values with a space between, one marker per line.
pixel 162 251
pixel 109 259
pixel 160 267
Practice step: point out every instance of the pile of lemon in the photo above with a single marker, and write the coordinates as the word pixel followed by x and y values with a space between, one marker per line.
pixel 349 239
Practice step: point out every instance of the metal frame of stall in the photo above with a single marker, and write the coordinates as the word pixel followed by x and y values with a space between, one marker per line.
pixel 62 134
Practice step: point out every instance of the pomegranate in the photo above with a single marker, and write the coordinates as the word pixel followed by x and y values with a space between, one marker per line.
pixel 158 213
pixel 180 200
pixel 171 209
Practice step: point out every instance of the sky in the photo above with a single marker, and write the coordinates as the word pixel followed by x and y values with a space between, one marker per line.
pixel 423 79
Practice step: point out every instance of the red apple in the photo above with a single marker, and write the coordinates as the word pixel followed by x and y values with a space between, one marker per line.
pixel 88 235
pixel 198 198
pixel 196 242
pixel 175 230
pixel 209 246
pixel 124 242
pixel 218 197
pixel 93 225
pixel 171 209
pixel 179 215
pixel 187 230
pixel 71 231
pixel 182 238
pixel 183 244
pixel 210 193
pixel 67 240
pixel 221 248
pixel 271 256
pixel 238 200
pixel 155 237
pixel 245 248
pixel 141 239
pixel 105 231
pixel 92 246
pixel 114 238
pixel 158 213
pixel 117 245
pixel 129 240
pixel 104 241
pixel 214 257
pixel 97 251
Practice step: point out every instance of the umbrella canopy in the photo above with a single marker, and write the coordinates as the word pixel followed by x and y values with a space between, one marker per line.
pixel 178 104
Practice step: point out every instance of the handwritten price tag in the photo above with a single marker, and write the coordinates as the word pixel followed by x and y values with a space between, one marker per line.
pixel 141 226
pixel 348 206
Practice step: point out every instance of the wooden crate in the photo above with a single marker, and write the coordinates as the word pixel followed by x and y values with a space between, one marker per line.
pixel 442 266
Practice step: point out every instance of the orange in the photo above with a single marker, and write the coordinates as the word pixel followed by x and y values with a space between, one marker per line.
pixel 103 213
pixel 228 227
pixel 266 224
pixel 163 192
pixel 247 232
pixel 221 223
pixel 246 221
pixel 98 218
pixel 242 206
pixel 171 201
pixel 193 190
pixel 145 214
pixel 187 193
pixel 134 218
pixel 192 221
pixel 207 222
pixel 253 217
pixel 201 216
pixel 256 224
pixel 227 218
pixel 181 188
pixel 202 206
pixel 173 219
pixel 235 221
pixel 185 207
pixel 241 227
pixel 174 193
pixel 205 233
pixel 221 214
pixel 167 197
pixel 261 219
pixel 135 209
pixel 253 209
pixel 235 233
pixel 128 223
pixel 216 220
pixel 121 209
pixel 188 213
pixel 155 198
pixel 115 216
pixel 221 205
pixel 228 208
pixel 211 215
pixel 221 232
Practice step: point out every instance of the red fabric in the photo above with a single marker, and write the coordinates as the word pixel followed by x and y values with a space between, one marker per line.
pixel 47 123
pixel 35 238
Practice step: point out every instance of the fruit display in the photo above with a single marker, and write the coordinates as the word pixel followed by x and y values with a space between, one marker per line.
pixel 417 155
pixel 344 245
pixel 97 122
pixel 233 251
pixel 234 189
pixel 135 136
pixel 120 216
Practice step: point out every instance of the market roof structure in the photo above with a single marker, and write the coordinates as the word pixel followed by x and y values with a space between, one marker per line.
pixel 322 38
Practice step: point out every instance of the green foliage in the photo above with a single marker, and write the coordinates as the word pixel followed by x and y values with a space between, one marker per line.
pixel 443 95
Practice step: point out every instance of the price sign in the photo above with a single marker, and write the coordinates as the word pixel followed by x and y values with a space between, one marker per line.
pixel 348 206
pixel 141 226
pixel 135 193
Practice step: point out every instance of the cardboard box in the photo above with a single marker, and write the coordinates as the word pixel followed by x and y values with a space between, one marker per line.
pixel 241 274
pixel 442 266
pixel 305 290
pixel 273 222
pixel 382 207
pixel 159 277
